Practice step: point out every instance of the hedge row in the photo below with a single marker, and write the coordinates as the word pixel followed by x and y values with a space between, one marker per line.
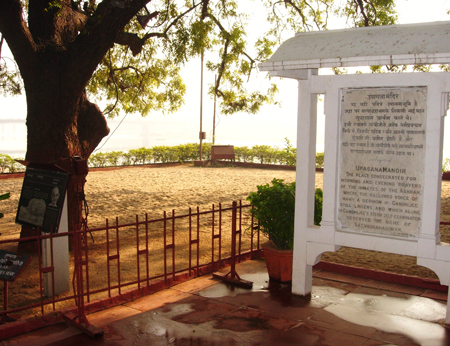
pixel 263 154
pixel 9 165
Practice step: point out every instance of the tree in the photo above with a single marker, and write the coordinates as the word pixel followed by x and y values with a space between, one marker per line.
pixel 67 49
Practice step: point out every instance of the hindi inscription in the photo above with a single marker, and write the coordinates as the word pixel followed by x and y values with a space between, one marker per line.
pixel 382 155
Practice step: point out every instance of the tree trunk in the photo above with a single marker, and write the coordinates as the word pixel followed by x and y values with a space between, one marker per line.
pixel 57 49
pixel 63 130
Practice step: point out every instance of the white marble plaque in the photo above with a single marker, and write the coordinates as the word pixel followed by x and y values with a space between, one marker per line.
pixel 382 159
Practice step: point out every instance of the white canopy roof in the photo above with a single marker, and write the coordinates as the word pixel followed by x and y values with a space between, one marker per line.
pixel 425 43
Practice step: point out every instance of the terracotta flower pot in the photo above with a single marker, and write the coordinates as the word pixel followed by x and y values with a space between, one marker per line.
pixel 278 262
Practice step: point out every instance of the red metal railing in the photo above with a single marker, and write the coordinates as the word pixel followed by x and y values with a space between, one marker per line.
pixel 123 261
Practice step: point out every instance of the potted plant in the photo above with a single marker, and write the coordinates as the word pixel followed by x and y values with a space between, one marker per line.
pixel 274 206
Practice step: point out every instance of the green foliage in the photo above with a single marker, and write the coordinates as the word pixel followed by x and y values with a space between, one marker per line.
pixel 446 165
pixel 165 154
pixel 274 208
pixel 141 155
pixel 143 84
pixel 10 80
pixel 370 12
pixel 114 157
pixel 263 153
pixel 320 159
pixel 9 165
pixel 243 154
pixel 289 17
pixel 206 151
pixel 142 74
pixel 289 154
pixel 2 197
pixel 188 152
pixel 98 159
pixel 151 81
pixel 318 204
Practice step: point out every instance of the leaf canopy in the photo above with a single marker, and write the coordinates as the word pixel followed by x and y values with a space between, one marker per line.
pixel 142 71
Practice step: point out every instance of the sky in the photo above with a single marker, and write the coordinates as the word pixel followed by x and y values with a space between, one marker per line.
pixel 271 126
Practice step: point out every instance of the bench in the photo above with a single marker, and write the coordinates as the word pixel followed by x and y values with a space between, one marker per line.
pixel 222 152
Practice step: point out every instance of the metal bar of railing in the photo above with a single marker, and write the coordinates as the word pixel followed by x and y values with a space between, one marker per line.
pixel 147 250
pixel 240 231
pixel 108 258
pixel 220 234
pixel 190 241
pixel 197 240
pixel 85 261
pixel 173 244
pixel 41 274
pixel 118 254
pixel 165 247
pixel 53 270
pixel 138 267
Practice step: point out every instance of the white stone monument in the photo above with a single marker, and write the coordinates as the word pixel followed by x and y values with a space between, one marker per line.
pixel 383 144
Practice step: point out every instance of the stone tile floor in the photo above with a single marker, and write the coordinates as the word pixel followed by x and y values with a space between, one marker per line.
pixel 342 310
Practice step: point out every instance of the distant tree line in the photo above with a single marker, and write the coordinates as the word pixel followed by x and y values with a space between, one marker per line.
pixel 263 154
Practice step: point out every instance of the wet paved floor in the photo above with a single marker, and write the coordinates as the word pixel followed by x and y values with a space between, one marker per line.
pixel 342 310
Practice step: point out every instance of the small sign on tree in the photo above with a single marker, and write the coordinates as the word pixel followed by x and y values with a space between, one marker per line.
pixel 42 199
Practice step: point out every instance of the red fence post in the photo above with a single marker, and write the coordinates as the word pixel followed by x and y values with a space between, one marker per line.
pixel 190 241
pixel 232 276
pixel 173 245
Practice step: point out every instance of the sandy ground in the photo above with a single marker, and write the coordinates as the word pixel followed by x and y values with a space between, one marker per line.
pixel 128 192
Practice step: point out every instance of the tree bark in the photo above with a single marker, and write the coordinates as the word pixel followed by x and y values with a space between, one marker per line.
pixel 63 129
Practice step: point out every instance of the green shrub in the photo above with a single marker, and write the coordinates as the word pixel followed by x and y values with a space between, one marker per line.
pixel 446 165
pixel 184 153
pixel 187 152
pixel 98 160
pixel 243 154
pixel 263 153
pixel 320 157
pixel 114 158
pixel 141 156
pixel 318 204
pixel 206 151
pixel 164 154
pixel 274 208
pixel 289 154
pixel 9 165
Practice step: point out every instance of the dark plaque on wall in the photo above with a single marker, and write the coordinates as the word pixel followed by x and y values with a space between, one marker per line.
pixel 42 198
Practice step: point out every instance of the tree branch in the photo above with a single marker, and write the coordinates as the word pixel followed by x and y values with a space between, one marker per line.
pixel 17 35
pixel 104 26
pixel 181 16
pixel 359 3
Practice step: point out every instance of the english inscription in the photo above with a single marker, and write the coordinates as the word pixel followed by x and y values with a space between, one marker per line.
pixel 382 155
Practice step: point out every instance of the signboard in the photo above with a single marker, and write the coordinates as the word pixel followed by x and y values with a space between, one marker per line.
pixel 12 264
pixel 42 199
pixel 382 160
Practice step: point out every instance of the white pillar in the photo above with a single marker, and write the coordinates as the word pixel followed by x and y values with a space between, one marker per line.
pixel 60 258
pixel 305 184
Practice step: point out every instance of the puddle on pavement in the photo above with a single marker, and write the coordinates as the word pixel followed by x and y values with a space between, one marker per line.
pixel 384 313
pixel 404 305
